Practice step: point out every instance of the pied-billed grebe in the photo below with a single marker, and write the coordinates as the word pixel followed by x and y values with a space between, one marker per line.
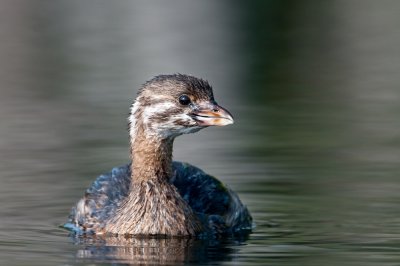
pixel 154 195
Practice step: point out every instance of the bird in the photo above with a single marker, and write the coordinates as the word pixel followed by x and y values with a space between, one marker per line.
pixel 154 195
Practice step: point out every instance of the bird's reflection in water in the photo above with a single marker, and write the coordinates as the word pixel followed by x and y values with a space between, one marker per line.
pixel 163 251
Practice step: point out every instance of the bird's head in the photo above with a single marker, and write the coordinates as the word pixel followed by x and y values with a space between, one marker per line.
pixel 170 105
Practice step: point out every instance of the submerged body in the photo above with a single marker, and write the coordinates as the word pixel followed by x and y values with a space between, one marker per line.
pixel 154 195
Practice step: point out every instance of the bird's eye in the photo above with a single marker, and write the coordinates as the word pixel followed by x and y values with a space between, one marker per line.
pixel 184 99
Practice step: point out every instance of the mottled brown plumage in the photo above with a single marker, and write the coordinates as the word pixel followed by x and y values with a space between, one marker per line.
pixel 154 206
pixel 154 198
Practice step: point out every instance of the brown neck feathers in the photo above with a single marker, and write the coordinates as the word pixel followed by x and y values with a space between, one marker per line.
pixel 151 157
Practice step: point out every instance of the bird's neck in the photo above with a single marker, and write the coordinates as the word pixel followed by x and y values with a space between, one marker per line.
pixel 151 156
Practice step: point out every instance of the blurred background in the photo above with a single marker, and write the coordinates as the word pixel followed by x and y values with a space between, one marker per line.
pixel 314 152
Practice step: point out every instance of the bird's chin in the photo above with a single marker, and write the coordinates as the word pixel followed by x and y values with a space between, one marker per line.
pixel 181 131
pixel 192 129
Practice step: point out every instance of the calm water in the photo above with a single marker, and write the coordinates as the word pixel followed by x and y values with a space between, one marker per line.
pixel 314 87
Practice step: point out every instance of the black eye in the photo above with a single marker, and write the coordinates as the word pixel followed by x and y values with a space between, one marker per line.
pixel 184 99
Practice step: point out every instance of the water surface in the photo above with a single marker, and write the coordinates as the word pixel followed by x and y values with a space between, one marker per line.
pixel 314 151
